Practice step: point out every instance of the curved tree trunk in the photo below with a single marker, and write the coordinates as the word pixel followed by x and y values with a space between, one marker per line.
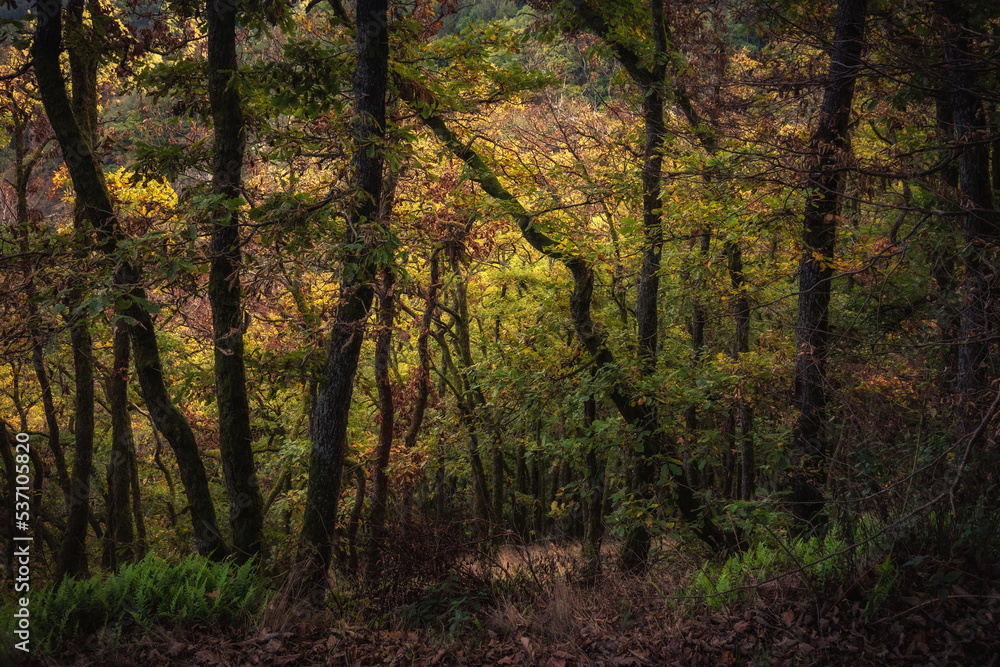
pixel 93 196
pixel 72 561
pixel 24 164
pixel 636 414
pixel 423 354
pixel 329 438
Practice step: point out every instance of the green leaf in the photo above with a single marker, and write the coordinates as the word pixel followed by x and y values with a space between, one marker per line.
pixel 145 304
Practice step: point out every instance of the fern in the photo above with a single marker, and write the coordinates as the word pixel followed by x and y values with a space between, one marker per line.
pixel 145 592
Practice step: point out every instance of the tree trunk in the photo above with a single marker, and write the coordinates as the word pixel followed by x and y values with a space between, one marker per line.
pixel 741 345
pixel 594 517
pixel 519 514
pixel 92 194
pixel 638 415
pixel 830 143
pixel 423 378
pixel 980 227
pixel 355 521
pixel 380 483
pixel 497 489
pixel 72 560
pixel 224 289
pixel 23 167
pixel 463 397
pixel 51 419
pixel 119 535
pixel 333 401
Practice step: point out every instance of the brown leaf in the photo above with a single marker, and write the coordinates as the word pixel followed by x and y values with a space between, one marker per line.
pixel 788 617
pixel 214 595
pixel 741 627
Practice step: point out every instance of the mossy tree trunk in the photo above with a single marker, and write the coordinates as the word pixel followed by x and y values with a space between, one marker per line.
pixel 333 401
pixel 120 533
pixel 72 560
pixel 380 480
pixel 246 519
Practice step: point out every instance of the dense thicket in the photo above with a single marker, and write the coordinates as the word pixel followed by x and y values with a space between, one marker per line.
pixel 657 268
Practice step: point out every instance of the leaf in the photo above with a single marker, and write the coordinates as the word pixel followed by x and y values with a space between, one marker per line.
pixel 788 617
pixel 145 304
pixel 95 306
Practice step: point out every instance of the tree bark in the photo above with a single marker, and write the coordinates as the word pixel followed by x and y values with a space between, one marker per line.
pixel 464 397
pixel 423 354
pixel 336 386
pixel 120 534
pixel 380 482
pixel 594 528
pixel 980 223
pixel 741 345
pixel 355 521
pixel 72 560
pixel 24 165
pixel 246 517
pixel 635 549
pixel 830 143
pixel 51 418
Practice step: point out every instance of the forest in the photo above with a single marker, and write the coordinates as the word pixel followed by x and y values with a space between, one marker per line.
pixel 500 332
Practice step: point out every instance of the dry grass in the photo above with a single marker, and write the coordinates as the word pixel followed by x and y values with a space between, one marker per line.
pixel 559 602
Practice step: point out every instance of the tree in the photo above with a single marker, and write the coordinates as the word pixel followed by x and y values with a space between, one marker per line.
pixel 333 400
pixel 980 224
pixel 224 287
pixel 387 416
pixel 829 148
pixel 72 560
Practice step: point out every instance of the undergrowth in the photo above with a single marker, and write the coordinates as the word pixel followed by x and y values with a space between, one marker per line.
pixel 817 562
pixel 146 593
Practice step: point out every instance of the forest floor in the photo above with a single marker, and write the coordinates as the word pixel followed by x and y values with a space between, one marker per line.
pixel 531 607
